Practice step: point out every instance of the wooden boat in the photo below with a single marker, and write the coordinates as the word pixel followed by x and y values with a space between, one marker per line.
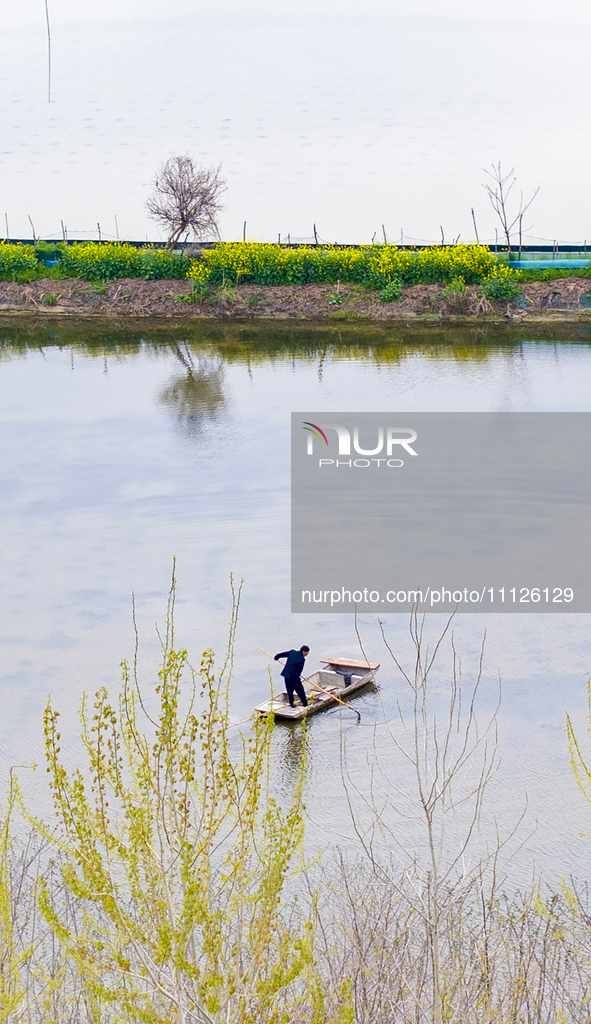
pixel 341 676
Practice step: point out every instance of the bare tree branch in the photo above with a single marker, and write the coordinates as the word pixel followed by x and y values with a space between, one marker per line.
pixel 498 193
pixel 187 199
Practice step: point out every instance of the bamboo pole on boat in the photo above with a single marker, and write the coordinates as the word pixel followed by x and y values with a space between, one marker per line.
pixel 326 692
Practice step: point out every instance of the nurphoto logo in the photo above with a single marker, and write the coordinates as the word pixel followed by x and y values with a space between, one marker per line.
pixel 390 434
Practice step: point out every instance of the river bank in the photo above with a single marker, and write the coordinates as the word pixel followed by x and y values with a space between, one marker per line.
pixel 564 300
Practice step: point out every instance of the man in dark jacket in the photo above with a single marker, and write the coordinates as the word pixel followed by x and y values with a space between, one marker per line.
pixel 292 672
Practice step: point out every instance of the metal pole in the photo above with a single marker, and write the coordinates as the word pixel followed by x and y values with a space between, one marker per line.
pixel 48 54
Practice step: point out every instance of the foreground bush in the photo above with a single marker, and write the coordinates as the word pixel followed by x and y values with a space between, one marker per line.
pixel 503 959
pixel 176 857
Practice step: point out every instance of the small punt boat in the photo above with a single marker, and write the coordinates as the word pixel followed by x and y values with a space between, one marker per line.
pixel 341 677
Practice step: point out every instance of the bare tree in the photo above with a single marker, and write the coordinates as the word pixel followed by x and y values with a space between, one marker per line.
pixel 498 193
pixel 430 825
pixel 196 397
pixel 186 199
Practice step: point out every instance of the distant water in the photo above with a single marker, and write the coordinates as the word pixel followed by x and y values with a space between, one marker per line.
pixel 120 450
pixel 347 121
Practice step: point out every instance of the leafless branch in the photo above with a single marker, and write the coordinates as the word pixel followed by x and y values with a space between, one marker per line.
pixel 499 193
pixel 186 199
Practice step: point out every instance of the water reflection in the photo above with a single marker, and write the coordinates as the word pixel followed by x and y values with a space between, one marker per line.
pixel 196 396
pixel 202 349
pixel 292 751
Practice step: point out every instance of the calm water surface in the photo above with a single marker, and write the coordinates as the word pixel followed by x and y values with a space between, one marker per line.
pixel 122 449
pixel 335 114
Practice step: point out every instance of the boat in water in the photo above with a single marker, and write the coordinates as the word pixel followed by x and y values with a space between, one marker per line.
pixel 340 678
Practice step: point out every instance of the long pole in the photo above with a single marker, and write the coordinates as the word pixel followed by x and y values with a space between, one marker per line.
pixel 317 687
pixel 48 53
pixel 475 228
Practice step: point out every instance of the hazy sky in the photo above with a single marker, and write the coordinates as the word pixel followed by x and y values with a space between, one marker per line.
pixel 63 11
pixel 317 112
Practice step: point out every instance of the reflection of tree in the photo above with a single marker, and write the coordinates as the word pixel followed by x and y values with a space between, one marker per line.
pixel 197 395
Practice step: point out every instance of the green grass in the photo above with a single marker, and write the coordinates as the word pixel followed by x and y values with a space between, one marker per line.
pixel 551 274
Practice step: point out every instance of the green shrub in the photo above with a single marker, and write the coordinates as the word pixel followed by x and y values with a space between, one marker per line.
pixel 161 264
pixel 199 293
pixel 106 261
pixel 456 289
pixel 49 299
pixel 17 260
pixel 392 292
pixel 91 261
pixel 501 289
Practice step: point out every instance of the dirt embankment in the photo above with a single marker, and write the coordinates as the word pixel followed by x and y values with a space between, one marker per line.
pixel 564 299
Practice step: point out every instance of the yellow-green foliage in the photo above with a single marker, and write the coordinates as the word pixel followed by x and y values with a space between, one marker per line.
pixel 580 764
pixel 17 259
pixel 178 856
pixel 93 261
pixel 373 266
pixel 106 261
pixel 12 958
pixel 229 263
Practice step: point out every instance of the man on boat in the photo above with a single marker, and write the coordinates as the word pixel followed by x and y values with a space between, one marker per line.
pixel 292 672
